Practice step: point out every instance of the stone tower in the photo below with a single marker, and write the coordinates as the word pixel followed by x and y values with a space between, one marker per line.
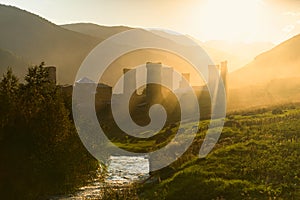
pixel 129 80
pixel 224 72
pixel 153 91
pixel 213 78
pixel 51 74
pixel 185 84
pixel 167 77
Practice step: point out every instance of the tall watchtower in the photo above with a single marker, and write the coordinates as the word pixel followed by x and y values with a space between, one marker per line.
pixel 224 72
pixel 213 77
pixel 167 76
pixel 51 74
pixel 153 91
pixel 129 80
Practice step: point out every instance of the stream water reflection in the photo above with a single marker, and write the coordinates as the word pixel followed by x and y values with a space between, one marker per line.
pixel 122 170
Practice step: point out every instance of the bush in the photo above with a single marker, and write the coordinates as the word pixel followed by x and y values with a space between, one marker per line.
pixel 277 111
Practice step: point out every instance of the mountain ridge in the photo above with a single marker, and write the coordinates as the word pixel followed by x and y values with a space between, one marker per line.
pixel 36 40
pixel 282 61
pixel 95 30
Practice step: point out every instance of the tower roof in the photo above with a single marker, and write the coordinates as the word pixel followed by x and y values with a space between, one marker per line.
pixel 85 80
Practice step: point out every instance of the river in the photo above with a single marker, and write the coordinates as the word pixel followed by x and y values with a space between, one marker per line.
pixel 122 170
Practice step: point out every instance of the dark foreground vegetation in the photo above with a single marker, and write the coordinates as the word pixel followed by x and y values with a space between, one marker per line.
pixel 40 152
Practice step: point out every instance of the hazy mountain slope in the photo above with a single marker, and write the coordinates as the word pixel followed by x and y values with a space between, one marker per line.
pixel 8 59
pixel 283 61
pixel 36 40
pixel 167 58
pixel 246 51
pixel 101 32
pixel 277 91
pixel 140 57
pixel 235 60
pixel 271 78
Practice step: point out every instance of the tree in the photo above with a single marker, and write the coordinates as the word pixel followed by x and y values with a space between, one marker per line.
pixel 38 143
pixel 8 88
pixel 9 83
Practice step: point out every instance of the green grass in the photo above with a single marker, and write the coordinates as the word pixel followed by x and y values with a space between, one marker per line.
pixel 255 158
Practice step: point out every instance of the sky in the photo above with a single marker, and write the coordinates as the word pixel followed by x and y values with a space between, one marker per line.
pixel 231 20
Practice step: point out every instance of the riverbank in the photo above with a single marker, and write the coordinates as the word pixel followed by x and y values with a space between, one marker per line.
pixel 123 175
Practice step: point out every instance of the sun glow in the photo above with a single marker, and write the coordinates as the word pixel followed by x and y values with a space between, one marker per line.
pixel 231 20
